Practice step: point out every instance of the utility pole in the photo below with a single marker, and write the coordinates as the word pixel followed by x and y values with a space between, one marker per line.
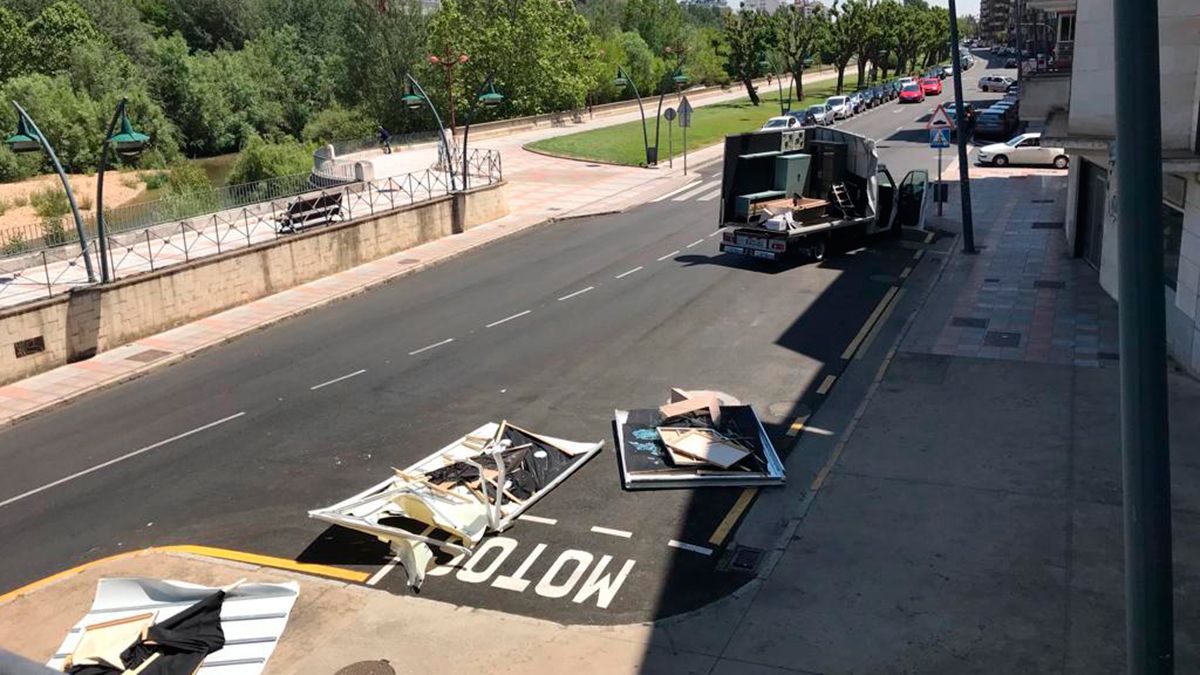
pixel 964 178
pixel 449 61
pixel 1145 446
pixel 1020 46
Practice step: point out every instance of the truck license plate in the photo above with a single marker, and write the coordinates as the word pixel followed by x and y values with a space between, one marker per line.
pixel 738 250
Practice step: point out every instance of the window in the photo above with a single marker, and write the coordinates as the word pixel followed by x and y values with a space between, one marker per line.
pixel 1172 219
pixel 1066 28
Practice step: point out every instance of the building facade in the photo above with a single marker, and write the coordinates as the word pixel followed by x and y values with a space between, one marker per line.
pixel 1071 94
pixel 993 19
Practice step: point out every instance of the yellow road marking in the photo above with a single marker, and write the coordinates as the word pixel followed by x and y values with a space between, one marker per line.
pixel 879 326
pixel 798 425
pixel 867 325
pixel 207 551
pixel 907 271
pixel 920 252
pixel 722 531
pixel 826 385
pixel 929 238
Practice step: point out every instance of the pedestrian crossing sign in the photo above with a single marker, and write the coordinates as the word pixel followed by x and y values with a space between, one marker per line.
pixel 939 137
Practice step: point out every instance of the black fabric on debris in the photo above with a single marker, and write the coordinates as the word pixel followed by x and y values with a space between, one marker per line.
pixel 527 470
pixel 643 449
pixel 182 641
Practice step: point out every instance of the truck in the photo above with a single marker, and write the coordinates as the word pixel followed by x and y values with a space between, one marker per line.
pixel 789 192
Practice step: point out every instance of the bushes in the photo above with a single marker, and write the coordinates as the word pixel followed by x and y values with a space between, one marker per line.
pixel 261 160
pixel 51 202
pixel 54 232
pixel 338 124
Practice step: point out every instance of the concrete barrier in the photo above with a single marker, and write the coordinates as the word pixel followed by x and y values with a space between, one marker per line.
pixel 38 336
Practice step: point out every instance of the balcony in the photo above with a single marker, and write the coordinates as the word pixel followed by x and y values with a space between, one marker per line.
pixel 1046 84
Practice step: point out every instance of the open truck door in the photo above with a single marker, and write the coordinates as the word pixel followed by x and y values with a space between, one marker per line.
pixel 910 206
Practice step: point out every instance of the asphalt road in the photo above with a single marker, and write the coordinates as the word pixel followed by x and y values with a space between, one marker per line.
pixel 551 329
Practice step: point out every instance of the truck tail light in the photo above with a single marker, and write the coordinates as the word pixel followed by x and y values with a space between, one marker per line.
pixel 778 246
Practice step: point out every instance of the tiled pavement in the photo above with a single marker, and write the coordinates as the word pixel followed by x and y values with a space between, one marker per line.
pixel 1024 297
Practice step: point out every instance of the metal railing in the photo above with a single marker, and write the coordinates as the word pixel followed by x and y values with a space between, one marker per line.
pixel 38 274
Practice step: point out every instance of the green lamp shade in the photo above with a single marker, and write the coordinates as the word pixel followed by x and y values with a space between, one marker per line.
pixel 128 142
pixel 412 101
pixel 24 140
pixel 681 79
pixel 491 99
pixel 621 80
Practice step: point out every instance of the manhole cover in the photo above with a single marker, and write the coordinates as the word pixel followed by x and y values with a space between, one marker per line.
pixel 148 356
pixel 593 166
pixel 380 667
pixel 997 338
pixel 1042 201
pixel 1108 356
pixel 1048 283
pixel 745 559
pixel 992 280
pixel 968 322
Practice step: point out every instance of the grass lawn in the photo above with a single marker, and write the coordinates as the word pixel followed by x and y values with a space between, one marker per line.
pixel 622 143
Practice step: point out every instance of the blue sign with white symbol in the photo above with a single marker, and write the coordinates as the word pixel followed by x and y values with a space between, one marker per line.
pixel 939 137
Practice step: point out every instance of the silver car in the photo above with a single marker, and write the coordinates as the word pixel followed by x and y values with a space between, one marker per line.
pixel 818 114
pixel 839 107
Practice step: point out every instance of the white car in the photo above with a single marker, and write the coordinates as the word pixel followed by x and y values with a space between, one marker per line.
pixel 1023 149
pixel 839 107
pixel 995 83
pixel 781 122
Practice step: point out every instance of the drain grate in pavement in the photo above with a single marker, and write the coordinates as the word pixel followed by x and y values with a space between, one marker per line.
pixel 992 280
pixel 915 368
pixel 999 338
pixel 1108 356
pixel 148 355
pixel 968 322
pixel 593 166
pixel 744 559
pixel 1049 283
pixel 1045 225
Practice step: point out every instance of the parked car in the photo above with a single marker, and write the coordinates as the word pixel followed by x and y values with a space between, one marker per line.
pixel 817 114
pixel 992 124
pixel 994 82
pixel 782 122
pixel 912 93
pixel 1023 149
pixel 932 86
pixel 947 71
pixel 874 96
pixel 839 106
pixel 1013 89
pixel 856 103
pixel 969 115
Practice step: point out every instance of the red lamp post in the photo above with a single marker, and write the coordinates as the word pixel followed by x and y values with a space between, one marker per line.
pixel 449 61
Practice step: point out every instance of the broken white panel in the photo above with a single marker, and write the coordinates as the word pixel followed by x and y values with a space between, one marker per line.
pixel 253 617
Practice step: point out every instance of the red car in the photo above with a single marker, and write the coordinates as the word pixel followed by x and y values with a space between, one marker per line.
pixel 912 93
pixel 931 86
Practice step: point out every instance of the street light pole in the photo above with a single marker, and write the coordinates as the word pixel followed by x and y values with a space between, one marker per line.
pixel 964 170
pixel 1145 444
pixel 488 97
pixel 414 101
pixel 27 125
pixel 449 62
pixel 129 143
pixel 624 79
pixel 677 78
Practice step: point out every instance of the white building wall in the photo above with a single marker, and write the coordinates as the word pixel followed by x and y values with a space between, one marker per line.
pixel 1187 293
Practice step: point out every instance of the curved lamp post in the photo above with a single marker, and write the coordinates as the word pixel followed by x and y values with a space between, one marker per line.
pixel 414 98
pixel 128 143
pixel 623 80
pixel 679 79
pixel 488 98
pixel 30 139
pixel 769 64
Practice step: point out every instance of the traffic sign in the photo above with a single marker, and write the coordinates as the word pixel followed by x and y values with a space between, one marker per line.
pixel 685 113
pixel 939 118
pixel 939 137
pixel 669 113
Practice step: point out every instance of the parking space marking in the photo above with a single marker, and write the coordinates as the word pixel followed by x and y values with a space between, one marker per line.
pixel 391 564
pixel 710 196
pixel 918 255
pixel 879 325
pixel 432 346
pixel 702 550
pixel 695 243
pixel 576 293
pixel 508 318
pixel 672 254
pixel 714 234
pixel 798 425
pixel 731 518
pixel 672 193
pixel 867 325
pixel 118 460
pixel 537 519
pixel 622 275
pixel 826 385
pixel 337 379
pixel 907 271
pixel 610 531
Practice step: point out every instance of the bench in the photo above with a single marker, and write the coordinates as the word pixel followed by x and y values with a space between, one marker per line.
pixel 310 211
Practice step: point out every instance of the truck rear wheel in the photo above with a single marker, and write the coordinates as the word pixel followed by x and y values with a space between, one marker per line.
pixel 817 251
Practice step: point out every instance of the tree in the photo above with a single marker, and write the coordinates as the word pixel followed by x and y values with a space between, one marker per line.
pixel 390 36
pixel 868 37
pixel 744 39
pixel 57 30
pixel 661 23
pixel 849 20
pixel 800 35
pixel 888 17
pixel 14 45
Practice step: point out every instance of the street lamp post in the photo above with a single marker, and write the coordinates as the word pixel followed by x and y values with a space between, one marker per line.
pixel 128 143
pixel 449 61
pixel 28 139
pixel 415 98
pixel 623 80
pixel 489 98
pixel 679 79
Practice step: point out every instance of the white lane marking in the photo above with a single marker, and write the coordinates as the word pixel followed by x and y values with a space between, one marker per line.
pixel 383 571
pixel 711 196
pixel 898 110
pixel 337 379
pixel 608 530
pixel 899 128
pixel 568 297
pixel 714 234
pixel 695 191
pixel 622 275
pixel 432 346
pixel 690 547
pixel 695 243
pixel 537 519
pixel 509 318
pixel 672 254
pixel 672 193
pixel 117 460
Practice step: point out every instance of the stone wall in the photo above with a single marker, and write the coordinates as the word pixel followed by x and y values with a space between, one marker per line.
pixel 79 324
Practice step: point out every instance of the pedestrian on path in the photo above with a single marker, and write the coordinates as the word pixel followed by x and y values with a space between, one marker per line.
pixel 385 139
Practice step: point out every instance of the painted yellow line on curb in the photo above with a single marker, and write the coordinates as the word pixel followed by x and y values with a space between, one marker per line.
pixel 826 385
pixel 919 254
pixel 907 271
pixel 731 518
pixel 887 313
pixel 929 238
pixel 798 425
pixel 206 551
pixel 868 324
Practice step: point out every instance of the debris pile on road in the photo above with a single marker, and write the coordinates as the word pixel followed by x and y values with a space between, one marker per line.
pixel 158 627
pixel 697 438
pixel 451 499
